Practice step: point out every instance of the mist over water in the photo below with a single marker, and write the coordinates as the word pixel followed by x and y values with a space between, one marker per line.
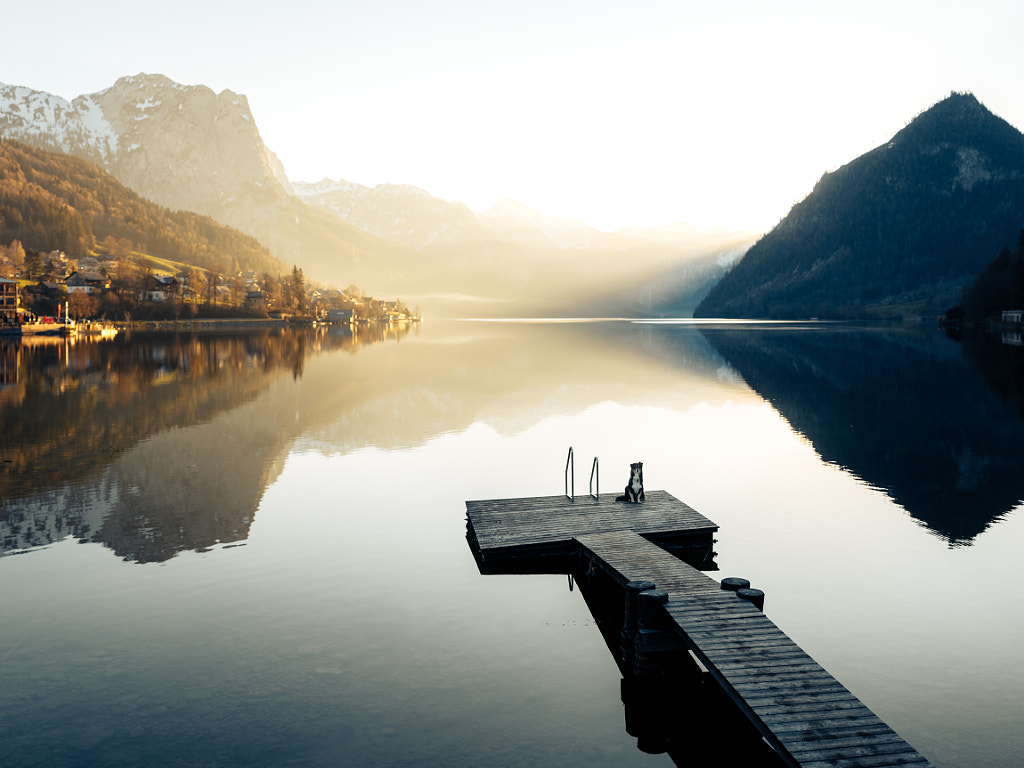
pixel 251 550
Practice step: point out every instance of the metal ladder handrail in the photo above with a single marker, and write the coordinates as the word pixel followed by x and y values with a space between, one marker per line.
pixel 569 477
pixel 595 472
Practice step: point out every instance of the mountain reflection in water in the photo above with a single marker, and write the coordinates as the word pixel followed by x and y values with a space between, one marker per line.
pixel 354 628
pixel 147 444
pixel 901 409
pixel 94 445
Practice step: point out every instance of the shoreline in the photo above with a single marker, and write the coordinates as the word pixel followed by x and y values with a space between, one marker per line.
pixel 206 324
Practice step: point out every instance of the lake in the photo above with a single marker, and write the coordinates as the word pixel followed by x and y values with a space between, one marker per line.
pixel 249 550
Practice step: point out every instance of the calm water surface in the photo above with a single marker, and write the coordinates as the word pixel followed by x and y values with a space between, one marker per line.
pixel 250 550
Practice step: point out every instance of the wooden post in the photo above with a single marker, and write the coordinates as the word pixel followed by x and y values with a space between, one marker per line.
pixel 755 596
pixel 734 583
pixel 627 642
pixel 650 611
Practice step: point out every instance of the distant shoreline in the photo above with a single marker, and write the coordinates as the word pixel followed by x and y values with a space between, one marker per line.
pixel 216 324
pixel 213 324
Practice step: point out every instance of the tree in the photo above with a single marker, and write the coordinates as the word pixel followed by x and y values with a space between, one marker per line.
pixel 237 289
pixel 33 264
pixel 298 290
pixel 212 280
pixel 16 256
pixel 193 282
pixel 81 304
pixel 271 291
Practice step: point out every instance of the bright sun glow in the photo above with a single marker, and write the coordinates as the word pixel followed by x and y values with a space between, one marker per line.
pixel 659 113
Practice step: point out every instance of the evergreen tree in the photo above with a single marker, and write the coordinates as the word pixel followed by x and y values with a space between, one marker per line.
pixel 33 264
pixel 298 290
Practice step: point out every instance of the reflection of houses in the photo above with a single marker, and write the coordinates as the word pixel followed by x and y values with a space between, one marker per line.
pixel 87 282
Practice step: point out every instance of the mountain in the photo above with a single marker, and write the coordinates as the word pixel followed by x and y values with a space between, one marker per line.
pixel 187 148
pixel 50 201
pixel 414 217
pixel 519 223
pixel 901 229
pixel 398 212
pixel 514 258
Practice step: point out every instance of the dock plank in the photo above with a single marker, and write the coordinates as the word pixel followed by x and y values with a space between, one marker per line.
pixel 503 523
pixel 808 716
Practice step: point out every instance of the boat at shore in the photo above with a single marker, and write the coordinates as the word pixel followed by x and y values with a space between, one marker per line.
pixel 44 326
pixel 96 330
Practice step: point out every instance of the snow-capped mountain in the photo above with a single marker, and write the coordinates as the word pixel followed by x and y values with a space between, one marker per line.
pixel 398 212
pixel 162 139
pixel 56 124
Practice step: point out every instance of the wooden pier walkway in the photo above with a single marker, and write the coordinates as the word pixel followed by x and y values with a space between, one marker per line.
pixel 804 713
pixel 539 532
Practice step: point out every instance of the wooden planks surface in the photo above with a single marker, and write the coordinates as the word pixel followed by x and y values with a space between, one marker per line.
pixel 807 715
pixel 501 524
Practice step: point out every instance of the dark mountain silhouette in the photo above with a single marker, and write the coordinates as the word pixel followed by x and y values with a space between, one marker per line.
pixel 1000 286
pixel 902 410
pixel 898 231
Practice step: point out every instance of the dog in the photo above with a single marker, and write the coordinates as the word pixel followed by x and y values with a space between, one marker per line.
pixel 635 487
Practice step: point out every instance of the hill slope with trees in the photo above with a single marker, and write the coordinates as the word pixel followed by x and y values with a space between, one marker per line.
pixel 999 286
pixel 900 230
pixel 57 202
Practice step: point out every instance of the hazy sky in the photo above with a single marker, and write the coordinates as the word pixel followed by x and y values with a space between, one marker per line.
pixel 619 114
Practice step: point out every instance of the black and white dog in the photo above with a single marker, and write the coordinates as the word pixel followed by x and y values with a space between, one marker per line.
pixel 635 487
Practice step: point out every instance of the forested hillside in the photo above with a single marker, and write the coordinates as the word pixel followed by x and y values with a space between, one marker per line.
pixel 1000 286
pixel 58 202
pixel 898 231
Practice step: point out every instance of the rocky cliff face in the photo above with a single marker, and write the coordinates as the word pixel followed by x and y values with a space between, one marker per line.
pixel 189 134
pixel 184 147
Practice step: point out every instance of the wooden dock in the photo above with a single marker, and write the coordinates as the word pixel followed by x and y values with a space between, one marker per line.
pixel 805 714
pixel 538 534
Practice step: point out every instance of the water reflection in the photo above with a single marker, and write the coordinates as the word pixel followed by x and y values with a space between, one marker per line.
pixel 901 409
pixel 353 628
pixel 158 444
pixel 147 443
pixel 674 707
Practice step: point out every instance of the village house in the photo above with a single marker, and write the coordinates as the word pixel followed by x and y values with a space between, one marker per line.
pixel 10 301
pixel 255 299
pixel 44 289
pixel 158 288
pixel 341 316
pixel 87 282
